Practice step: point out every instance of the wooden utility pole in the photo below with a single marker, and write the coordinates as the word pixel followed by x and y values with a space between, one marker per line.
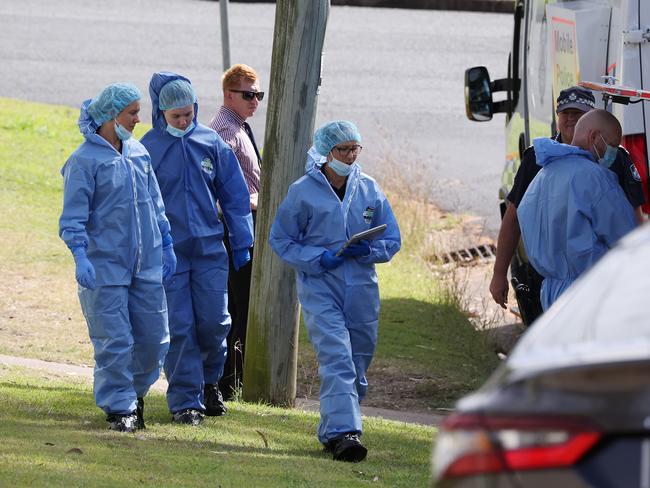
pixel 271 351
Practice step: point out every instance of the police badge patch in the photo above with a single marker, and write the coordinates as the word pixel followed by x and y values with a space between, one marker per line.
pixel 635 172
pixel 367 214
pixel 206 165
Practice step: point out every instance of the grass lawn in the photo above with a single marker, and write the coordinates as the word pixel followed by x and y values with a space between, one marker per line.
pixel 53 435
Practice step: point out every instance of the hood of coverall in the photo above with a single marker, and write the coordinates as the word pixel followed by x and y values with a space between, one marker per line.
pixel 158 80
pixel 548 151
pixel 87 125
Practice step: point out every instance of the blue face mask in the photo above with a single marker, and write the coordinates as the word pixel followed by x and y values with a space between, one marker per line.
pixel 340 168
pixel 610 155
pixel 121 132
pixel 178 132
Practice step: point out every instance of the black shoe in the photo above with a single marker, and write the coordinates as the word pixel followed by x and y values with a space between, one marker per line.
pixel 189 416
pixel 139 413
pixel 214 406
pixel 347 448
pixel 121 422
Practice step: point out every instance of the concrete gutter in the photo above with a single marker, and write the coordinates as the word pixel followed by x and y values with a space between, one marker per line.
pixel 305 404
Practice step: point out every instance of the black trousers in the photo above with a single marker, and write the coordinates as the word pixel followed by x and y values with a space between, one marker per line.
pixel 239 284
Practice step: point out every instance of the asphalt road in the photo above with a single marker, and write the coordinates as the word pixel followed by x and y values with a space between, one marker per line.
pixel 397 73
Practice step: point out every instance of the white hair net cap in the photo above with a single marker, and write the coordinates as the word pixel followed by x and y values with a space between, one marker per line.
pixel 111 101
pixel 332 133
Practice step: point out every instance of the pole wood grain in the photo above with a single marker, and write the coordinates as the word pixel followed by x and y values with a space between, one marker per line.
pixel 271 347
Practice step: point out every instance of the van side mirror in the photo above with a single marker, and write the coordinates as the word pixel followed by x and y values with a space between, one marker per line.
pixel 479 105
pixel 478 94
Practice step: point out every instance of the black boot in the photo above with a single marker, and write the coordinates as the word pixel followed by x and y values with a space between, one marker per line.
pixel 347 448
pixel 139 412
pixel 213 401
pixel 121 422
pixel 189 416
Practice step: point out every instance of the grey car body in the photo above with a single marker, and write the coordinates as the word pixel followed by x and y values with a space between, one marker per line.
pixel 577 385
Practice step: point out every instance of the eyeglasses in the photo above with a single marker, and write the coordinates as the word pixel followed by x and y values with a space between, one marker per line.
pixel 347 150
pixel 249 95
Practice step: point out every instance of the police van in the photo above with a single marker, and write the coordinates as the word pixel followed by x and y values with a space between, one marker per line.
pixel 603 44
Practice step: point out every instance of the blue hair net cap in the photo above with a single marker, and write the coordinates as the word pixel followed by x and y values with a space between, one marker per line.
pixel 176 94
pixel 112 100
pixel 332 133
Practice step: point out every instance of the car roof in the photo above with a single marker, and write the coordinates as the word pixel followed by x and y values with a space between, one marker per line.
pixel 604 317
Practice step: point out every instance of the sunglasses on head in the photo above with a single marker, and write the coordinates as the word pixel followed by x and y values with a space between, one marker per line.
pixel 249 95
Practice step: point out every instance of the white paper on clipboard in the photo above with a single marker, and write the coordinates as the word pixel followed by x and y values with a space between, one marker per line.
pixel 366 234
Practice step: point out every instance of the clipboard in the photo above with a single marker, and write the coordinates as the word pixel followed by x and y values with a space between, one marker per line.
pixel 366 234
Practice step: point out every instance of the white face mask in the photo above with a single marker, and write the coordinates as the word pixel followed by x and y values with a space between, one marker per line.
pixel 179 132
pixel 339 167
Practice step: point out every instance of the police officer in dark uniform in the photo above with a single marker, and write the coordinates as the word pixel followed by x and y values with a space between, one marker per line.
pixel 572 103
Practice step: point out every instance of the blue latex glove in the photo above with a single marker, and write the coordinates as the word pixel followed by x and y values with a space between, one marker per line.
pixel 84 270
pixel 329 260
pixel 361 248
pixel 240 257
pixel 168 262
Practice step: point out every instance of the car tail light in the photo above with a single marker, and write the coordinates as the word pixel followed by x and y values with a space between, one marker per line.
pixel 474 444
pixel 636 146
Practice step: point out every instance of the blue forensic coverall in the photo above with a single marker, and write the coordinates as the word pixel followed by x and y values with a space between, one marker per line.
pixel 113 208
pixel 573 212
pixel 195 172
pixel 340 306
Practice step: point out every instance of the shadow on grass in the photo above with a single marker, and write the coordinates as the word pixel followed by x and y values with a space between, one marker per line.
pixel 26 408
pixel 32 428
pixel 54 435
pixel 65 455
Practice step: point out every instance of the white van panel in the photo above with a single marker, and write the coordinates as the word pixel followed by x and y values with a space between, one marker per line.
pixel 629 72
pixel 540 68
pixel 587 25
pixel 644 16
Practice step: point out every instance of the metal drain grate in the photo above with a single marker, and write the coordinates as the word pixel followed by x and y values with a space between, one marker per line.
pixel 470 255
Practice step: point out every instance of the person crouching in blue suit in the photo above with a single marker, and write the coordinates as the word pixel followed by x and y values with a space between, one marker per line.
pixel 339 294
pixel 114 223
pixel 198 175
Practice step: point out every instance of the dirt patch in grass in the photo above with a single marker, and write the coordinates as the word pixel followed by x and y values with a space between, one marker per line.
pixel 40 316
